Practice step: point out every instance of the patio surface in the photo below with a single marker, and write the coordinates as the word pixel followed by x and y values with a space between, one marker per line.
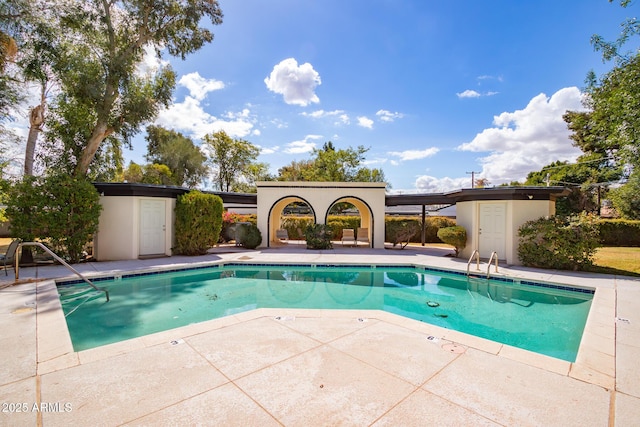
pixel 315 367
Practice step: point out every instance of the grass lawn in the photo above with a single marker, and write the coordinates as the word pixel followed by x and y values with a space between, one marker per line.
pixel 622 260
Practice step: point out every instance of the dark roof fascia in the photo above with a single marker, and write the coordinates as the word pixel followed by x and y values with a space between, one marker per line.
pixel 149 190
pixel 464 195
pixel 472 194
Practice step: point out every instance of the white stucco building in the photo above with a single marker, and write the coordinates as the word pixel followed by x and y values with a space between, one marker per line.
pixel 137 219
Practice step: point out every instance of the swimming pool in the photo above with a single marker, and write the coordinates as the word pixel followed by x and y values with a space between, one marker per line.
pixel 541 317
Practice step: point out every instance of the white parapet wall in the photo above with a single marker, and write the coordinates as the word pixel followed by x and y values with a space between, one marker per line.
pixel 367 197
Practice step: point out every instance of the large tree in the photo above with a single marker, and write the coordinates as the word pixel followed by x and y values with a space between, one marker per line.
pixel 230 158
pixel 332 165
pixel 612 123
pixel 184 159
pixel 588 180
pixel 100 44
pixel 610 128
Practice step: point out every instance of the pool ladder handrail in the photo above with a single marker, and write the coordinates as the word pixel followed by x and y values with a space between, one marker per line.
pixel 477 255
pixel 57 258
pixel 494 254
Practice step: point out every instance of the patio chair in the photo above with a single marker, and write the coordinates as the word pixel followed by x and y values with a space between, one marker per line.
pixel 282 234
pixel 363 236
pixel 9 258
pixel 348 237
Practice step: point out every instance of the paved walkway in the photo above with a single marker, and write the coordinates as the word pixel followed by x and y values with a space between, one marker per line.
pixel 315 367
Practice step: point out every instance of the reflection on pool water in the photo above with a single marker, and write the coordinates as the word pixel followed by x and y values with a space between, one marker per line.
pixel 548 319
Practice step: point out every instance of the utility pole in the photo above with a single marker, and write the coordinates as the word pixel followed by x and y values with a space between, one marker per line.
pixel 473 178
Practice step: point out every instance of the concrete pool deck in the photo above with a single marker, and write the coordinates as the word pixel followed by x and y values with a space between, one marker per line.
pixel 315 367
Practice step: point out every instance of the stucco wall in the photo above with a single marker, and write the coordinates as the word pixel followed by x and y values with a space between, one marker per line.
pixel 118 236
pixel 517 213
pixel 369 197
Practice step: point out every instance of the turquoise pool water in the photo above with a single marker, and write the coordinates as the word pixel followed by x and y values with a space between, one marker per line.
pixel 544 318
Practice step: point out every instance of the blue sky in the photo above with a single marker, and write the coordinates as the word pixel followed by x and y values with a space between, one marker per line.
pixel 434 89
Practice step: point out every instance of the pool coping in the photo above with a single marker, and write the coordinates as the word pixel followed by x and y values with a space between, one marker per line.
pixel 595 362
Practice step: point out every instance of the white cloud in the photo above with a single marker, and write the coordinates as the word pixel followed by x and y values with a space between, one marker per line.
pixel 304 146
pixel 431 184
pixel 295 83
pixel 188 117
pixel 388 116
pixel 268 150
pixel 468 94
pixel 365 122
pixel 198 86
pixel 343 118
pixel 150 62
pixel 528 139
pixel 414 154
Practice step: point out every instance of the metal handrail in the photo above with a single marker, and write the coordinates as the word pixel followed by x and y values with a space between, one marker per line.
pixel 493 254
pixel 57 258
pixel 477 254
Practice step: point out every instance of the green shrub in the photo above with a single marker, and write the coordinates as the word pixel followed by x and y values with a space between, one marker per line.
pixel 341 222
pixel 433 224
pixel 248 235
pixel 295 226
pixel 318 236
pixel 61 210
pixel 559 242
pixel 619 232
pixel 401 231
pixel 229 220
pixel 455 236
pixel 198 223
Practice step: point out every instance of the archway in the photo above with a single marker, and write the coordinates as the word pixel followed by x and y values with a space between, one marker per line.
pixel 364 211
pixel 276 214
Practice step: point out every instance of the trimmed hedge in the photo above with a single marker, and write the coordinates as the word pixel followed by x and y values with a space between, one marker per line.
pixel 619 232
pixel 198 222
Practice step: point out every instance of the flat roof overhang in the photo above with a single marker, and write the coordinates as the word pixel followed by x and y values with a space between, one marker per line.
pixel 449 198
pixel 150 190
pixel 472 194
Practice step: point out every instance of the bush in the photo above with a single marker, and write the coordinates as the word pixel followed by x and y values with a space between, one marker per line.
pixel 198 223
pixel 229 221
pixel 559 242
pixel 61 210
pixel 318 236
pixel 401 231
pixel 295 226
pixel 455 236
pixel 433 224
pixel 619 232
pixel 248 235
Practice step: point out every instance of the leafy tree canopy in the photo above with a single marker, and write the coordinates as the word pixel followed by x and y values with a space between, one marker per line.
pixel 332 165
pixel 230 158
pixel 94 56
pixel 584 178
pixel 184 160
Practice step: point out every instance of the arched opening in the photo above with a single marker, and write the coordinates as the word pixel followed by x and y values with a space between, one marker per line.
pixel 354 206
pixel 288 214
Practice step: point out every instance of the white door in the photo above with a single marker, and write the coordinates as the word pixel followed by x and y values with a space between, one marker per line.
pixel 152 227
pixel 492 230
